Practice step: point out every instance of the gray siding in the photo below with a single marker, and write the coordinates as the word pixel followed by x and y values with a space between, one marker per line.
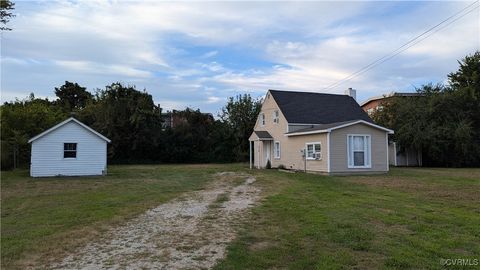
pixel 47 153
pixel 338 150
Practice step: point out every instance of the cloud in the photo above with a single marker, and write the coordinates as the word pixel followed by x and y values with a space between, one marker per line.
pixel 96 68
pixel 199 53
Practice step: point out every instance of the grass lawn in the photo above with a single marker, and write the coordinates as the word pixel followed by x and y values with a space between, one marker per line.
pixel 410 218
pixel 46 218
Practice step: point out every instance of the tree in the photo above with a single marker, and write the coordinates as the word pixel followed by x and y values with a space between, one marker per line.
pixel 72 96
pixel 5 13
pixel 129 118
pixel 191 140
pixel 240 115
pixel 444 123
pixel 21 120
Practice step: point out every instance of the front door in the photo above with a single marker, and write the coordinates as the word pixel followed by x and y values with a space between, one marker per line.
pixel 266 151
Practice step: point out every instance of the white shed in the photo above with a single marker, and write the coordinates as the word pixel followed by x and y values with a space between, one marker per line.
pixel 70 148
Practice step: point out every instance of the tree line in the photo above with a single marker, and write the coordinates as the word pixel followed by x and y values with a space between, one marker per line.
pixel 132 120
pixel 444 122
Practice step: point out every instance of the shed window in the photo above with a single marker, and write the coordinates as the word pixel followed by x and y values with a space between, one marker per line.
pixel 69 150
pixel 359 149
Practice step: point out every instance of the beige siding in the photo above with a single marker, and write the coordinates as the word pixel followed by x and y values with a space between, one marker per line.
pixel 290 147
pixel 338 152
pixel 291 157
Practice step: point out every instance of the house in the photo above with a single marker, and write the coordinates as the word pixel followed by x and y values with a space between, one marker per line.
pixel 318 132
pixel 70 148
pixel 399 156
pixel 376 103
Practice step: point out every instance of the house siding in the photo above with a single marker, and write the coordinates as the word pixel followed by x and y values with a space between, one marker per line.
pixel 290 155
pixel 338 150
pixel 47 153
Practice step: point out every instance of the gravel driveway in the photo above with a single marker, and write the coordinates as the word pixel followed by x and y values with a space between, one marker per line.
pixel 191 232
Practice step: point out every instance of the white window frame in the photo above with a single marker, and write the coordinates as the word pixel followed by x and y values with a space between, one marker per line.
pixel 262 119
pixel 276 117
pixel 275 148
pixel 367 152
pixel 71 151
pixel 314 152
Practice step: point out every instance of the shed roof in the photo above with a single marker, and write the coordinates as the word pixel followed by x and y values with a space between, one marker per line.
pixel 332 126
pixel 260 135
pixel 64 123
pixel 318 108
pixel 263 134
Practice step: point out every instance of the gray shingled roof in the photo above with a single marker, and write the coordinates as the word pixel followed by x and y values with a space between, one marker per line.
pixel 318 108
pixel 263 134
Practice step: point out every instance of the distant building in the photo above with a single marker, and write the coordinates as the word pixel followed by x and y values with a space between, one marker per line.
pixel 174 118
pixel 376 103
pixel 70 148
pixel 399 156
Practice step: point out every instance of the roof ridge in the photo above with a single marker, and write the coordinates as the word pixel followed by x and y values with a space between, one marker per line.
pixel 68 120
pixel 305 92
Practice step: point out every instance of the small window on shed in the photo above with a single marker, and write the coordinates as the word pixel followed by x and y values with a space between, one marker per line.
pixel 69 150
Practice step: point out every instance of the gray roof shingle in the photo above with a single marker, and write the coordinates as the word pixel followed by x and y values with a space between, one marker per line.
pixel 318 108
pixel 263 134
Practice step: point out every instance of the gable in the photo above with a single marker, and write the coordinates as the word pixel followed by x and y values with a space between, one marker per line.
pixel 73 121
pixel 318 108
pixel 269 106
pixel 70 132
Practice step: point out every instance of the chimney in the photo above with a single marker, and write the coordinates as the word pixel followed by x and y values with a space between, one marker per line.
pixel 351 92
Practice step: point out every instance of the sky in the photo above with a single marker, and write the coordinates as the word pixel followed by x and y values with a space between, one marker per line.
pixel 198 54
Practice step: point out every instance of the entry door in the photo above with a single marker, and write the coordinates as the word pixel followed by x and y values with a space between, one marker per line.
pixel 267 145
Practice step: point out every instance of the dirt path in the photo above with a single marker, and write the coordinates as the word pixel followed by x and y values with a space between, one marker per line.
pixel 191 232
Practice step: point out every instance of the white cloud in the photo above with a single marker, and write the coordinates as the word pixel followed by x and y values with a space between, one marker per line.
pixel 211 100
pixel 309 46
pixel 96 68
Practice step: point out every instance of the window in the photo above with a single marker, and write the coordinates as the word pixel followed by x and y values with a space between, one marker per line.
pixel 276 150
pixel 262 119
pixel 276 116
pixel 359 151
pixel 314 151
pixel 69 150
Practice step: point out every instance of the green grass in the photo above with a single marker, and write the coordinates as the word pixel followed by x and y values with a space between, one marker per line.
pixel 46 217
pixel 408 219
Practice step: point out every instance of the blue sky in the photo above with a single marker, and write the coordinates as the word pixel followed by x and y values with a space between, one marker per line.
pixel 200 53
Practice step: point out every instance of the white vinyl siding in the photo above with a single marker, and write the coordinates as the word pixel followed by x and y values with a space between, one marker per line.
pixel 276 150
pixel 314 151
pixel 359 151
pixel 48 153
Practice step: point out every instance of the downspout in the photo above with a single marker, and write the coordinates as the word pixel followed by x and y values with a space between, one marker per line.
pixel 328 152
pixel 305 158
